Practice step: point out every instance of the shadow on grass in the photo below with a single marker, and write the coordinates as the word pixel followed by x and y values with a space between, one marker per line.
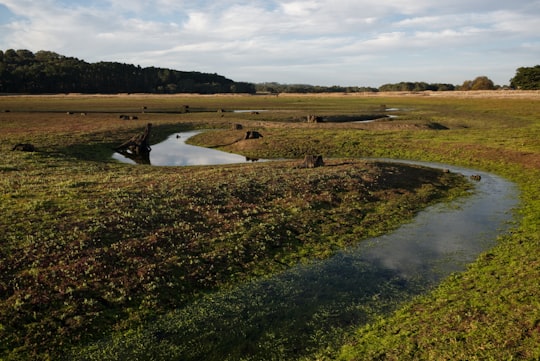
pixel 285 317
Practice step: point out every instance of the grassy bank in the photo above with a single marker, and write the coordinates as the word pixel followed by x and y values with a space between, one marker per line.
pixel 91 247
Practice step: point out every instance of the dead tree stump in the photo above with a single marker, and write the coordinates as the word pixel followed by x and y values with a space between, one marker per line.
pixel 253 134
pixel 313 119
pixel 312 161
pixel 137 145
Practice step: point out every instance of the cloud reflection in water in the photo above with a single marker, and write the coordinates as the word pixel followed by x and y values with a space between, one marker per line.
pixel 175 152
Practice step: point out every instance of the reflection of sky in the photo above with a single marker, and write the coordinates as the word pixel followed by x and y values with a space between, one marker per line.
pixel 443 239
pixel 175 152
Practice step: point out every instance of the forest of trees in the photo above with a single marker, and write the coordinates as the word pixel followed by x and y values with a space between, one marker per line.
pixel 22 71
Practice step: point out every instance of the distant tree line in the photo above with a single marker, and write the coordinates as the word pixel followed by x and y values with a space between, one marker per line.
pixel 273 87
pixel 480 83
pixel 525 78
pixel 305 88
pixel 415 86
pixel 22 71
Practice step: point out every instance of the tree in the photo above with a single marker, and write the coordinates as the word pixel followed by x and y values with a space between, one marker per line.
pixel 482 83
pixel 479 83
pixel 526 78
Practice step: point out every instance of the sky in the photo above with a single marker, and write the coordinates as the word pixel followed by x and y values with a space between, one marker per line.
pixel 317 42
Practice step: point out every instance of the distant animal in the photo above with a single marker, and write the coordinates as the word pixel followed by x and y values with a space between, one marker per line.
pixel 476 177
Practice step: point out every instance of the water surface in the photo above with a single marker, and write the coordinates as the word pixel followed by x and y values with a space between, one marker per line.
pixel 175 152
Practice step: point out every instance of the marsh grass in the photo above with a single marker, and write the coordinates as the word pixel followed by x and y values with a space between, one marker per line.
pixel 92 248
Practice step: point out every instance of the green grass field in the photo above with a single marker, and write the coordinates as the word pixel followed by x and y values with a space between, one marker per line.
pixel 93 249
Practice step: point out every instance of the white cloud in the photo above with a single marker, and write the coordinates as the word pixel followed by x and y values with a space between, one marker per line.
pixel 363 42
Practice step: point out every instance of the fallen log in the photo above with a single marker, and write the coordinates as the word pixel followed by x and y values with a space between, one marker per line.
pixel 138 144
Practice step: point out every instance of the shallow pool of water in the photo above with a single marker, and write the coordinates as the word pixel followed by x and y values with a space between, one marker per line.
pixel 175 152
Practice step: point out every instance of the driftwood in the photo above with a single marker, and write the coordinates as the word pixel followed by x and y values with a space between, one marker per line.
pixel 312 161
pixel 253 134
pixel 137 145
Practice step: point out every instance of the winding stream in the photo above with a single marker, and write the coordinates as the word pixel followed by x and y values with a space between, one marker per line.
pixel 286 316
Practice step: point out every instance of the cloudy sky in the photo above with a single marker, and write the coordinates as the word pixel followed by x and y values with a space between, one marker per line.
pixel 320 42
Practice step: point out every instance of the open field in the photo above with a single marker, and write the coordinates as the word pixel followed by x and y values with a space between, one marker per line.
pixel 93 249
